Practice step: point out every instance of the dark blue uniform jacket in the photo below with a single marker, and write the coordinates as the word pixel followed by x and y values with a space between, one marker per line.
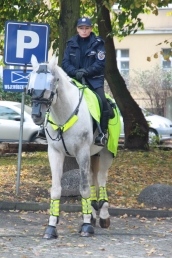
pixel 94 60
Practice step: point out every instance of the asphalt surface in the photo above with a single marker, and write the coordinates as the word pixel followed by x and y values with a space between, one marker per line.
pixel 127 237
pixel 133 233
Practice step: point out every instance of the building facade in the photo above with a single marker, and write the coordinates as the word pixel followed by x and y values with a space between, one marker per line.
pixel 134 51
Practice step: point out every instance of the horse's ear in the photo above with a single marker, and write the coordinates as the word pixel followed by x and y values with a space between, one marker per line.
pixel 34 62
pixel 52 63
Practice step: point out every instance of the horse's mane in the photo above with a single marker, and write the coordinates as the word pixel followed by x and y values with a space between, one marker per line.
pixel 62 73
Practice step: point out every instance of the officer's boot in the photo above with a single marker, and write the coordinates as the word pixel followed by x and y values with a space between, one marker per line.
pixel 101 138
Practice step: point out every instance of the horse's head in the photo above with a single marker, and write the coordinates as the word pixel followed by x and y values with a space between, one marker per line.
pixel 42 88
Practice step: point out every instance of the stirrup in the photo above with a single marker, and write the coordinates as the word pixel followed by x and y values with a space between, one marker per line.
pixel 100 139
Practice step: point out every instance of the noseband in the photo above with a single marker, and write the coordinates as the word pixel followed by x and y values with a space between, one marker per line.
pixel 38 97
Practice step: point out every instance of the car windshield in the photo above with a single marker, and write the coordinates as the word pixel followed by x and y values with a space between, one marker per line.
pixel 27 109
pixel 146 112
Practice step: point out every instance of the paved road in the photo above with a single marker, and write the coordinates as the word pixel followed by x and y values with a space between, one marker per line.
pixel 128 237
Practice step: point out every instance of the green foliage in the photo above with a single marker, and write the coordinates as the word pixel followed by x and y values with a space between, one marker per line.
pixel 30 11
pixel 124 20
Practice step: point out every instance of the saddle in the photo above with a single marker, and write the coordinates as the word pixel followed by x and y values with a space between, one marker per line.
pixel 111 105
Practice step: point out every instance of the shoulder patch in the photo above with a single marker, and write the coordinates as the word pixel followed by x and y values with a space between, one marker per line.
pixel 101 55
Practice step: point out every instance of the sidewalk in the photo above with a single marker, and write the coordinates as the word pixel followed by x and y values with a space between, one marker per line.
pixel 128 237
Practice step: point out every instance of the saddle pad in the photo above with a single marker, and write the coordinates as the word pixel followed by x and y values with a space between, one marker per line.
pixel 91 99
pixel 114 124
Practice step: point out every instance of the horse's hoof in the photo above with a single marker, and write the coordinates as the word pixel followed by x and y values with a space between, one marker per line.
pixel 50 233
pixel 95 205
pixel 104 223
pixel 93 222
pixel 87 230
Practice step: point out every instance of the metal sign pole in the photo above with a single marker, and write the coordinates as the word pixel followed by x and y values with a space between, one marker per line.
pixel 20 139
pixel 20 142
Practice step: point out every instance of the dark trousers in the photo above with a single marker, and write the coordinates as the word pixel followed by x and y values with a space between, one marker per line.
pixel 100 91
pixel 105 111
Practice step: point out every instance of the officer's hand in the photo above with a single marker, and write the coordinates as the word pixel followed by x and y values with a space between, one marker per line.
pixel 80 73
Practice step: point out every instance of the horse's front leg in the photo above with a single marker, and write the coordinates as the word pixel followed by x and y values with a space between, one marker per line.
pixel 56 160
pixel 83 159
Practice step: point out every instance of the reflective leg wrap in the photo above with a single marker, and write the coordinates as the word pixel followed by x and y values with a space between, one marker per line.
pixel 93 198
pixel 54 208
pixel 102 196
pixel 86 206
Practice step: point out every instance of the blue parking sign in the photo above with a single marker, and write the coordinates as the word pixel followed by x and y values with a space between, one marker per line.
pixel 22 39
pixel 15 80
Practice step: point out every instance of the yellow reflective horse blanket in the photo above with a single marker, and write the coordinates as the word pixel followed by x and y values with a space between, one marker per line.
pixel 114 125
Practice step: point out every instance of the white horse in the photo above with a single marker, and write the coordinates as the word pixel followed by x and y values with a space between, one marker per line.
pixel 55 98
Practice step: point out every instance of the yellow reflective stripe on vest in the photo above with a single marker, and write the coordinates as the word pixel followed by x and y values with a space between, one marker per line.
pixel 66 126
pixel 93 195
pixel 103 193
pixel 86 206
pixel 54 207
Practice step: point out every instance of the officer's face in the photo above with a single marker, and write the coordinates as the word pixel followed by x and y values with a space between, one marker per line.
pixel 84 31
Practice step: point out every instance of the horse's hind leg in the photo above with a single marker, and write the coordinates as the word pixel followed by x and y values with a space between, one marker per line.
pixel 83 159
pixel 106 159
pixel 56 160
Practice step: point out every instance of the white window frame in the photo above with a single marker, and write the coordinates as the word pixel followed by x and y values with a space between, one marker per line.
pixel 162 60
pixel 121 59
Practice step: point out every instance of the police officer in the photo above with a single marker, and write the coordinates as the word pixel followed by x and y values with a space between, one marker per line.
pixel 84 56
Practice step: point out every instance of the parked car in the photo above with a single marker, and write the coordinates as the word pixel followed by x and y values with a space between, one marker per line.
pixel 160 128
pixel 10 116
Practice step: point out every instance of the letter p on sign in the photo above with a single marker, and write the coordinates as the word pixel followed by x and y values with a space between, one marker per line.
pixel 21 44
pixel 22 40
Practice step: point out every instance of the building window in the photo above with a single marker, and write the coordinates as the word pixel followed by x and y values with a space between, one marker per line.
pixel 166 64
pixel 122 56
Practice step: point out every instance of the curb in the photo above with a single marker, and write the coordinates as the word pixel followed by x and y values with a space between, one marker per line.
pixel 26 206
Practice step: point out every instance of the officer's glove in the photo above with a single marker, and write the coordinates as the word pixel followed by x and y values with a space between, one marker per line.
pixel 81 73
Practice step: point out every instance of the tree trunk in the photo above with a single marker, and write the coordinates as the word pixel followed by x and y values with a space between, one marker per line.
pixel 135 125
pixel 69 14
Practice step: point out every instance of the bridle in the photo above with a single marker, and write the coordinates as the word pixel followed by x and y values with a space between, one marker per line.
pixel 37 99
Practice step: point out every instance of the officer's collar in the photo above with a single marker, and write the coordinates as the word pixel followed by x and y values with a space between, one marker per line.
pixel 80 39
